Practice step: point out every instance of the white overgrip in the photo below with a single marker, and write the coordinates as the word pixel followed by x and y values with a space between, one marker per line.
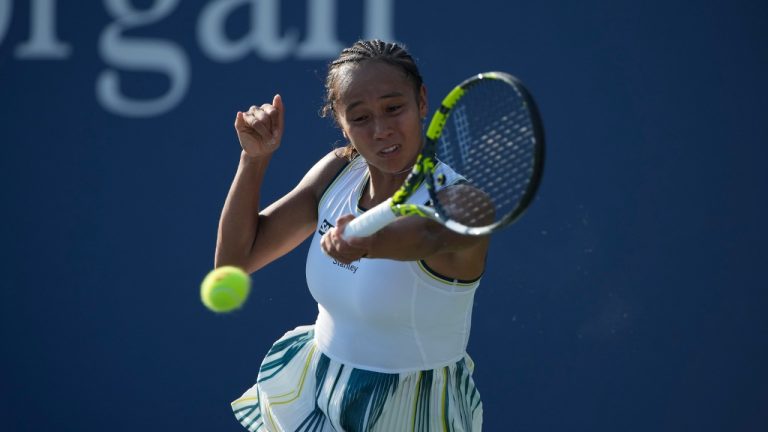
pixel 370 221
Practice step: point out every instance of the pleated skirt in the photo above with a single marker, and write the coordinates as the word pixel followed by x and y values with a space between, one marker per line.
pixel 300 389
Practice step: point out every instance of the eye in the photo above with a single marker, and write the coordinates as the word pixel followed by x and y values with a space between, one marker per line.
pixel 394 108
pixel 359 118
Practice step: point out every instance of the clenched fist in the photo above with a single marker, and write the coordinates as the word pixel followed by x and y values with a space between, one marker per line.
pixel 260 129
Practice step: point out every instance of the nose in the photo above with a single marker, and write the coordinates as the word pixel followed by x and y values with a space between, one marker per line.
pixel 382 128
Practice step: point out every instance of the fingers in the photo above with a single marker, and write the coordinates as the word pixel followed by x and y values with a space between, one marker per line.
pixel 342 222
pixel 240 124
pixel 275 116
pixel 271 115
pixel 265 121
pixel 334 245
pixel 260 128
pixel 259 121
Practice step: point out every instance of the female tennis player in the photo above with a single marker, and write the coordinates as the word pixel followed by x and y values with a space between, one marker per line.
pixel 387 351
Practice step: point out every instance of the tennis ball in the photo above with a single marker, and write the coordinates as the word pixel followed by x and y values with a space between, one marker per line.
pixel 225 289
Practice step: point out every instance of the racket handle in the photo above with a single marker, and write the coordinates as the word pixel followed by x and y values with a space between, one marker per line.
pixel 370 221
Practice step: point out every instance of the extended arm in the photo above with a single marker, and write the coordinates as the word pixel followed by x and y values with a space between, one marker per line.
pixel 410 239
pixel 249 237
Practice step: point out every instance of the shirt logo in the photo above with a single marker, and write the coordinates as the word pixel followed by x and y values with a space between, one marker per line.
pixel 324 227
pixel 351 267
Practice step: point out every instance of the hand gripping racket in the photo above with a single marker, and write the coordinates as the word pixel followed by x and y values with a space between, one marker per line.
pixel 489 131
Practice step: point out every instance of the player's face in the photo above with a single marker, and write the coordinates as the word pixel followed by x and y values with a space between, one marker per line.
pixel 380 113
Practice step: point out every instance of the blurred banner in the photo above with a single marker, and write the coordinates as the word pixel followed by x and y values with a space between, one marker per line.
pixel 629 297
pixel 262 35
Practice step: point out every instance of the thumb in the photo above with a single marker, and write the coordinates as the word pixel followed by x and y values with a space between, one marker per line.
pixel 342 221
pixel 277 102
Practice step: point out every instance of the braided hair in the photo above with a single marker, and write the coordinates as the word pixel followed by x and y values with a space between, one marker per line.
pixel 364 50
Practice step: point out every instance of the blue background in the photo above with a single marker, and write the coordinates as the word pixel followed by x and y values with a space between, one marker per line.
pixel 630 297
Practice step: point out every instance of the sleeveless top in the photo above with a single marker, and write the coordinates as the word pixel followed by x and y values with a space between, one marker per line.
pixel 379 314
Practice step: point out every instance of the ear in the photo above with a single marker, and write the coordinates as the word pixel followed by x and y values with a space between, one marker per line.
pixel 423 104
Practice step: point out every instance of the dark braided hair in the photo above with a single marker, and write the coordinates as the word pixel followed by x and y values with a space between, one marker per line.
pixel 365 50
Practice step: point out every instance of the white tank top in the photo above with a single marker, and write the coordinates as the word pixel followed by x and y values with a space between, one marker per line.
pixel 379 314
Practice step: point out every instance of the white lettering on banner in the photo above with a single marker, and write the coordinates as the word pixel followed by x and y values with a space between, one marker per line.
pixel 321 39
pixel 122 53
pixel 379 19
pixel 42 43
pixel 264 37
pixel 139 54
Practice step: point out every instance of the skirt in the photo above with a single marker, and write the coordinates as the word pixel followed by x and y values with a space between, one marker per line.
pixel 300 389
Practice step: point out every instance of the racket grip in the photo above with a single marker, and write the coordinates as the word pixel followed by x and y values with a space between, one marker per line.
pixel 370 221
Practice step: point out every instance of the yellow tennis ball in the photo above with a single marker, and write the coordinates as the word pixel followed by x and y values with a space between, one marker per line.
pixel 225 289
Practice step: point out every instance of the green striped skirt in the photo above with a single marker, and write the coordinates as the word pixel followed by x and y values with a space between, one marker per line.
pixel 300 389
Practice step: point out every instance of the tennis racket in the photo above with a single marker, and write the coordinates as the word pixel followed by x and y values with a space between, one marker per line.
pixel 488 130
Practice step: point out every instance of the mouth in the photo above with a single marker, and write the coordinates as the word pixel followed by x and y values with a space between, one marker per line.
pixel 389 151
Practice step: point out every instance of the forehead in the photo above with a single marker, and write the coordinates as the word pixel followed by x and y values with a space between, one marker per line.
pixel 371 80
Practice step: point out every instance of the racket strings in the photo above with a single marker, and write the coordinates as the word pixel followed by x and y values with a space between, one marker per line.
pixel 489 140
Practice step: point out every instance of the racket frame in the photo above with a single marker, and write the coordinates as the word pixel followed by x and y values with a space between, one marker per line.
pixel 435 130
pixel 423 171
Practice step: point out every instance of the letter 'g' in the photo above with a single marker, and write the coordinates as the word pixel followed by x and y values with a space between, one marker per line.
pixel 139 54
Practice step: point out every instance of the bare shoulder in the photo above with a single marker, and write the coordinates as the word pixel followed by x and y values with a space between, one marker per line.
pixel 323 172
pixel 307 193
pixel 287 222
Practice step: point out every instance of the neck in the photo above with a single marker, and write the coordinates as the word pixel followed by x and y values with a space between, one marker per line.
pixel 382 186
